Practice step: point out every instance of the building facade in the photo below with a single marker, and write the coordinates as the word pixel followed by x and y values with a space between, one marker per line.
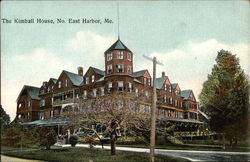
pixel 118 78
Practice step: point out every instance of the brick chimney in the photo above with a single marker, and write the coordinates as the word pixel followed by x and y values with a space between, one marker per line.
pixel 163 74
pixel 80 70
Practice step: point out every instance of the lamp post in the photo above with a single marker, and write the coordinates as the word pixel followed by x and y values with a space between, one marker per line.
pixel 153 118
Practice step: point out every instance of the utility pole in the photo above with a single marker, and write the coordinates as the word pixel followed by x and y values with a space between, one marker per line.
pixel 153 118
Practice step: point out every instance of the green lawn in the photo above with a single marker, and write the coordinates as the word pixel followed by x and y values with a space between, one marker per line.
pixel 84 154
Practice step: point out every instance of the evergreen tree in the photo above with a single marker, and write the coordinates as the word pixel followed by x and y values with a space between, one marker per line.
pixel 225 97
pixel 4 118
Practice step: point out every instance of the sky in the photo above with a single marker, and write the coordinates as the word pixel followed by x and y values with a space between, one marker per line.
pixel 184 35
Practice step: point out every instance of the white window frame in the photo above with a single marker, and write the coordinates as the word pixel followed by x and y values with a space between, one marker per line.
pixel 120 68
pixel 120 85
pixel 145 80
pixel 120 55
pixel 109 69
pixel 165 98
pixel 129 69
pixel 93 78
pixel 165 87
pixel 129 56
pixel 66 82
pixel 51 113
pixel 59 84
pixel 109 56
pixel 129 87
pixel 149 82
pixel 137 92
pixel 170 88
pixel 86 80
pixel 110 86
pixel 94 92
pixel 102 93
pixel 29 103
pixel 171 100
pixel 85 93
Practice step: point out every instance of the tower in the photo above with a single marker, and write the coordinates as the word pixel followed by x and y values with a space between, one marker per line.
pixel 118 60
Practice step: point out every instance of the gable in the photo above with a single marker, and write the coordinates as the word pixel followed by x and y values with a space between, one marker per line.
pixel 147 75
pixel 167 81
pixel 177 87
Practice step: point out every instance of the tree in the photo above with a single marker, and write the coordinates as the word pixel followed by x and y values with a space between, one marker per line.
pixel 4 118
pixel 225 97
pixel 47 137
pixel 114 114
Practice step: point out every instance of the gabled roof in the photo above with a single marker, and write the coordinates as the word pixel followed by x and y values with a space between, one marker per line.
pixel 160 81
pixel 98 71
pixel 53 79
pixel 33 92
pixel 139 73
pixel 118 45
pixel 186 93
pixel 75 78
pixel 174 85
pixel 203 114
pixel 135 80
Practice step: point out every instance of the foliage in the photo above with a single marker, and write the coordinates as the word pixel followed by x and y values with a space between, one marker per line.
pixel 15 135
pixel 4 118
pixel 73 139
pixel 225 97
pixel 47 137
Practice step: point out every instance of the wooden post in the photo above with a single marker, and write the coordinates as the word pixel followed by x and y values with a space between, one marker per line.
pixel 152 130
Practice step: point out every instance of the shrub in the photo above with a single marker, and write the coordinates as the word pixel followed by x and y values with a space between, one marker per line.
pixel 73 140
pixel 47 137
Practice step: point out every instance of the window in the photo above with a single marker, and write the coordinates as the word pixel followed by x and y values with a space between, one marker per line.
pixel 176 92
pixel 51 113
pixel 163 112
pixel 84 94
pixel 110 87
pixel 169 113
pixel 109 56
pixel 130 87
pixel 120 86
pixel 146 93
pixel 165 98
pixel 165 87
pixel 19 116
pixel 109 69
pixel 176 114
pixel 29 103
pixel 92 78
pixel 41 115
pixel 77 95
pixel 59 84
pixel 147 109
pixel 19 105
pixel 145 80
pixel 170 89
pixel 42 91
pixel 42 103
pixel 175 102
pixel 120 68
pixel 48 89
pixel 102 91
pixel 130 69
pixel 120 55
pixel 181 104
pixel 52 87
pixel 28 115
pixel 94 92
pixel 149 82
pixel 170 100
pixel 87 80
pixel 181 115
pixel 136 92
pixel 129 56
pixel 66 83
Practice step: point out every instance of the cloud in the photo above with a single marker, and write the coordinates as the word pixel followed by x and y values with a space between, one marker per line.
pixel 90 47
pixel 190 64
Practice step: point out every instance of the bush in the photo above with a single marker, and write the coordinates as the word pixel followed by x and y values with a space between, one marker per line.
pixel 47 137
pixel 73 140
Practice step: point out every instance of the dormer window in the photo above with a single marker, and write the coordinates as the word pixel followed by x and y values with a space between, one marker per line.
pixel 87 80
pixel 149 82
pixel 93 78
pixel 66 83
pixel 109 56
pixel 120 68
pixel 59 84
pixel 120 55
pixel 129 56
pixel 165 87
pixel 109 69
